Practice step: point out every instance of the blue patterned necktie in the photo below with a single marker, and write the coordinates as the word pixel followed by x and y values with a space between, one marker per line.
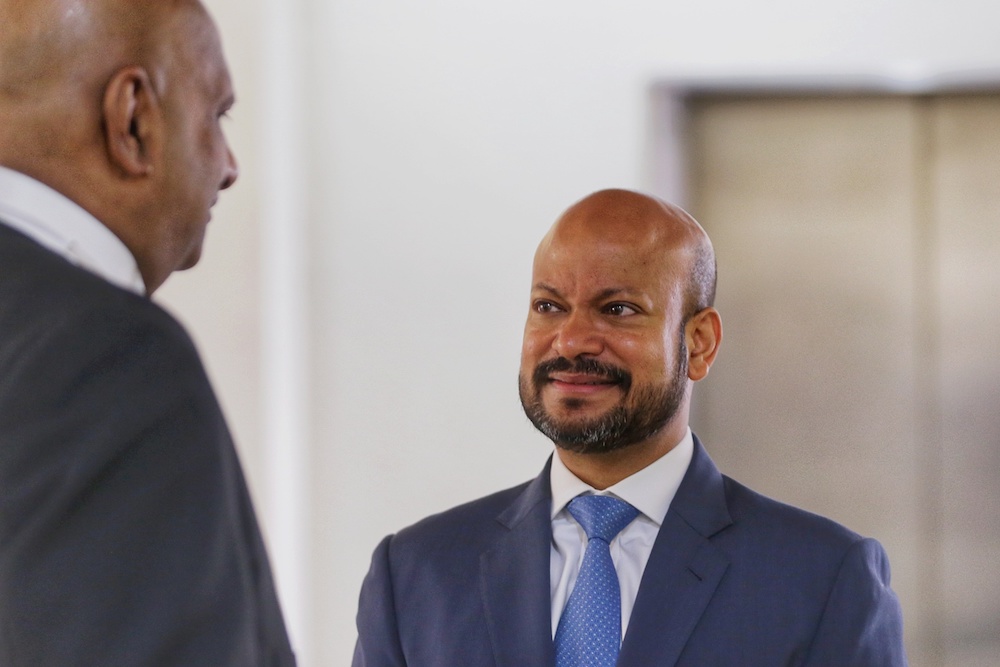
pixel 590 628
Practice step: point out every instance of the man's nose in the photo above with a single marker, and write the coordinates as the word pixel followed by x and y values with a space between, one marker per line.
pixel 578 336
pixel 232 171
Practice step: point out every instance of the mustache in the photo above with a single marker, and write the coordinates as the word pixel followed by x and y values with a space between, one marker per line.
pixel 582 365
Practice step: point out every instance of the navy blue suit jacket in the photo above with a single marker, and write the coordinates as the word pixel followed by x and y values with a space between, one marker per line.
pixel 734 578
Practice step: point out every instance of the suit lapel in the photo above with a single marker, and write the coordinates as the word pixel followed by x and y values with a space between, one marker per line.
pixel 683 570
pixel 515 580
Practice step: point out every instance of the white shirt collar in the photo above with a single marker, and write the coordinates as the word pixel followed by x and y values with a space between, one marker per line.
pixel 59 224
pixel 650 490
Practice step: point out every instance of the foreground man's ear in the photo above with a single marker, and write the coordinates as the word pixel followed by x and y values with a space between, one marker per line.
pixel 703 335
pixel 132 119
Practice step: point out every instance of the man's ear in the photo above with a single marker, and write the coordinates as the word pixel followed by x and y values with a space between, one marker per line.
pixel 132 118
pixel 703 334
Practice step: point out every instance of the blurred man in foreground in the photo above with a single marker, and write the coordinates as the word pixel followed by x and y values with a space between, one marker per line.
pixel 127 536
pixel 630 548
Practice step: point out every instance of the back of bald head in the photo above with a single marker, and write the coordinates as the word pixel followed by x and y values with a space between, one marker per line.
pixel 650 223
pixel 56 56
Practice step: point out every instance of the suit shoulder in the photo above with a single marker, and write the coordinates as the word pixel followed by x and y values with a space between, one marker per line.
pixel 45 301
pixel 772 546
pixel 79 353
pixel 772 518
pixel 465 522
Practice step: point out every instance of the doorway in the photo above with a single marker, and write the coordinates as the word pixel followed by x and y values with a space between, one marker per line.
pixel 858 241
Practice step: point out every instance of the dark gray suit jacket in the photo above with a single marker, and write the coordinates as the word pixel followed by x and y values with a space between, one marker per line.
pixel 127 536
pixel 734 579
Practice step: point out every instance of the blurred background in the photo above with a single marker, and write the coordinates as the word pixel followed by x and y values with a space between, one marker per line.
pixel 360 302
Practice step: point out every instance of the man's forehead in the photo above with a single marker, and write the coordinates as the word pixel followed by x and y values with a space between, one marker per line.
pixel 604 263
pixel 198 47
pixel 585 242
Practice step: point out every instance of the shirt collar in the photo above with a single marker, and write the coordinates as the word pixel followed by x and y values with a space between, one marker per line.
pixel 650 490
pixel 62 226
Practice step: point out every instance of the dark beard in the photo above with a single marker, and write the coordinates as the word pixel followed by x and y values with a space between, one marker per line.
pixel 626 424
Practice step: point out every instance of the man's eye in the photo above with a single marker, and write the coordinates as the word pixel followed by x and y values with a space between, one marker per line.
pixel 545 307
pixel 620 309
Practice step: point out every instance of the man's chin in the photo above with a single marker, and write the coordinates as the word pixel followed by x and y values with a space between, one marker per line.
pixel 582 436
pixel 590 447
pixel 191 259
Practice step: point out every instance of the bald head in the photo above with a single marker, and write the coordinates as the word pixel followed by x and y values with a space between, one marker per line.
pixel 51 47
pixel 647 229
pixel 115 104
pixel 619 328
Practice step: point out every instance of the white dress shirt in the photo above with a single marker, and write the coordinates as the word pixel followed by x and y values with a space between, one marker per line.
pixel 59 224
pixel 651 490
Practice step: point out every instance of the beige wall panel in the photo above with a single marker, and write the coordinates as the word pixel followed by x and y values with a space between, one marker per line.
pixel 810 205
pixel 968 211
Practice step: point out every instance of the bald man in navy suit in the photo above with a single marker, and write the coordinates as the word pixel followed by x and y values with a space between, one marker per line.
pixel 708 573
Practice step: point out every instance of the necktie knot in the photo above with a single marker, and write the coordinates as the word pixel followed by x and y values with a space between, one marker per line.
pixel 602 517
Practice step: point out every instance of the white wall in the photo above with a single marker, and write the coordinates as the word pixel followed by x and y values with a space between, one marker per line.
pixel 417 152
